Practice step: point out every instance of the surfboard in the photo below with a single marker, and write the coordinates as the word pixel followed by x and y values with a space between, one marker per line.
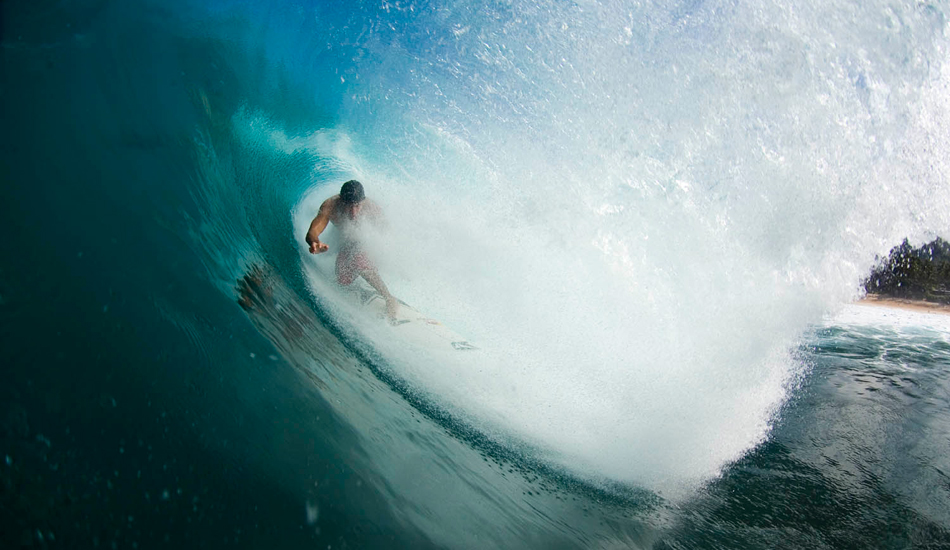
pixel 410 324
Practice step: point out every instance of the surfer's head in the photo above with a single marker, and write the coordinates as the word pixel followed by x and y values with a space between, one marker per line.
pixel 352 193
pixel 351 198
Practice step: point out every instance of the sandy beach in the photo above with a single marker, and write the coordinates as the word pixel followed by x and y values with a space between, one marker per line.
pixel 913 305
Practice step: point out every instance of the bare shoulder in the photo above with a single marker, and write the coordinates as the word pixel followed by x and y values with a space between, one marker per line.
pixel 373 206
pixel 329 205
pixel 373 210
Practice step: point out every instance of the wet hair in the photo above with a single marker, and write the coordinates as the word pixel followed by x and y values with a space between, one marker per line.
pixel 352 192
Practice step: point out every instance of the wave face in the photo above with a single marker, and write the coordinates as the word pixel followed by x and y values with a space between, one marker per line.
pixel 635 209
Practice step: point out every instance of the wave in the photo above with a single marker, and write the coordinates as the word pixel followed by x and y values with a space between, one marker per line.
pixel 636 210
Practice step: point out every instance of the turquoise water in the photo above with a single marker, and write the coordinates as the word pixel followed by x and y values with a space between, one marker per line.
pixel 649 219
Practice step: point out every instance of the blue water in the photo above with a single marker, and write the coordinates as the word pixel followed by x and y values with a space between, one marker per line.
pixel 651 219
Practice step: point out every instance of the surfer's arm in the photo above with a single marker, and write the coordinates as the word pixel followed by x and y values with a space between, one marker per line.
pixel 317 226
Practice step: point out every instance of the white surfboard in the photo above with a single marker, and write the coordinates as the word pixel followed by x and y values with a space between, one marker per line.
pixel 409 324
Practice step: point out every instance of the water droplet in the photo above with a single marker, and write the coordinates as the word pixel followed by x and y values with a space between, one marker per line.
pixel 313 512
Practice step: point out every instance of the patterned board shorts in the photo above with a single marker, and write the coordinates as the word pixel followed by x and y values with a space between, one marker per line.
pixel 350 263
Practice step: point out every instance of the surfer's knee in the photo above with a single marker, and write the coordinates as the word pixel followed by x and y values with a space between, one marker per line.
pixel 345 278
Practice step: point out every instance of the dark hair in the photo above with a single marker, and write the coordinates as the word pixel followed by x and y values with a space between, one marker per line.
pixel 352 192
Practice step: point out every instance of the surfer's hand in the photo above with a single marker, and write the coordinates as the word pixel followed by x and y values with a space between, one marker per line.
pixel 317 247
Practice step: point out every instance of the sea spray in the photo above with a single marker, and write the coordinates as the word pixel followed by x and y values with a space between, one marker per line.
pixel 636 209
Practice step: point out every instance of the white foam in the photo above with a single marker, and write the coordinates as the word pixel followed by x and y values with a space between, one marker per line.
pixel 636 210
pixel 894 317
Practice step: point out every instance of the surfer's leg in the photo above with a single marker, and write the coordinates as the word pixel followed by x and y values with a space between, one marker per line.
pixel 346 271
pixel 372 277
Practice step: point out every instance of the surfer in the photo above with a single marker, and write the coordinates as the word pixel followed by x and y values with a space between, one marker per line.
pixel 347 210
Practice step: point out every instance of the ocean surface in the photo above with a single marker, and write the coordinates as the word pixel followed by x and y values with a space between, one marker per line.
pixel 652 220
